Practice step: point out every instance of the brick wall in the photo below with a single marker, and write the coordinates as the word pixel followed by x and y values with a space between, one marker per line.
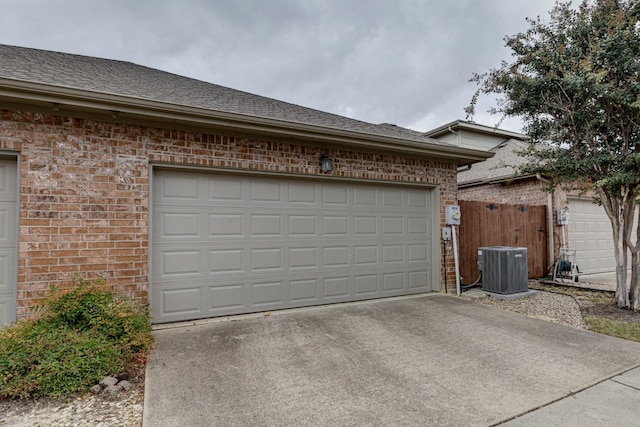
pixel 84 184
pixel 526 191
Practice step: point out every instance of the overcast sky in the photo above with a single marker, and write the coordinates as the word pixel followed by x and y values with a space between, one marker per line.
pixel 405 62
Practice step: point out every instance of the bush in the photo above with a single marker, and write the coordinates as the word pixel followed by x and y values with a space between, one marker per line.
pixel 85 333
pixel 91 306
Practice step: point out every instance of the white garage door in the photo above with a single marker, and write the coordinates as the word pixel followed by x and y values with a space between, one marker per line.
pixel 231 244
pixel 591 236
pixel 8 247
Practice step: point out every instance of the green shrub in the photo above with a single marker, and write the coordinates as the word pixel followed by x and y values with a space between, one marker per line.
pixel 80 307
pixel 83 335
pixel 38 358
pixel 91 306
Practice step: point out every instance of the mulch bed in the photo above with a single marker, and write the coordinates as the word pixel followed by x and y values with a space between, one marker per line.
pixel 611 311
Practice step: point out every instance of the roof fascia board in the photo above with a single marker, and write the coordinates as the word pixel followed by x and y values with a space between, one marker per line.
pixel 22 91
pixel 473 127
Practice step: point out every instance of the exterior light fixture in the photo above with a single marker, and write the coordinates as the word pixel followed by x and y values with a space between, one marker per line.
pixel 326 165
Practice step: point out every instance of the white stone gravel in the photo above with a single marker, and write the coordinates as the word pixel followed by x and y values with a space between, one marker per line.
pixel 553 307
pixel 89 410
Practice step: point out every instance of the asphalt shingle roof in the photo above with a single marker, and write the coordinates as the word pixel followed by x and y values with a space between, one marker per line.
pixel 127 79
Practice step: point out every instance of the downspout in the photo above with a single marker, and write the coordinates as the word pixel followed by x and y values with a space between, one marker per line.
pixel 549 222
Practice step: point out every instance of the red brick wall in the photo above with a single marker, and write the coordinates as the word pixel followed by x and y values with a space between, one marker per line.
pixel 84 183
pixel 527 191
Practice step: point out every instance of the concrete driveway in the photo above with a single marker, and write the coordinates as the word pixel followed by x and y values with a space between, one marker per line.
pixel 426 360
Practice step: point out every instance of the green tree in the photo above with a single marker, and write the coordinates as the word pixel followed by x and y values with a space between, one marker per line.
pixel 575 82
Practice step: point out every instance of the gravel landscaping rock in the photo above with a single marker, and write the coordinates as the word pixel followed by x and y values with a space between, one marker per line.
pixel 108 382
pixel 554 307
pixel 90 410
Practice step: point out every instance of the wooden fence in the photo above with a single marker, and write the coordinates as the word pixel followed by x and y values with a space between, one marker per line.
pixel 490 224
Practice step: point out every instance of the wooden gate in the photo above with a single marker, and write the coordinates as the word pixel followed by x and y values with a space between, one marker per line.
pixel 490 224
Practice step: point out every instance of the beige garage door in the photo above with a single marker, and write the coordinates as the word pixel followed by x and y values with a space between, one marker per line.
pixel 591 236
pixel 231 244
pixel 8 241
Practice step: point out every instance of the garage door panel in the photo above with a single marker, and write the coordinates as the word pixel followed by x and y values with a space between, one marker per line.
pixel 223 189
pixel 8 181
pixel 392 225
pixel 303 225
pixel 226 224
pixel 226 261
pixel 417 253
pixel 266 259
pixel 229 298
pixel 417 225
pixel 336 287
pixel 302 194
pixel 418 279
pixel 6 309
pixel 182 188
pixel 364 197
pixel 180 225
pixel 267 294
pixel 7 224
pixel 366 284
pixel 365 225
pixel 365 255
pixel 335 256
pixel 265 191
pixel 266 243
pixel 8 239
pixel 335 225
pixel 334 194
pixel 417 199
pixel 591 236
pixel 393 281
pixel 391 198
pixel 7 263
pixel 392 254
pixel 181 302
pixel 303 258
pixel 306 290
pixel 266 225
pixel 180 263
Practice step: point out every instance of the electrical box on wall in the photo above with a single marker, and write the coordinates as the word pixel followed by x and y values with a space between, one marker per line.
pixel 452 215
pixel 446 233
pixel 562 216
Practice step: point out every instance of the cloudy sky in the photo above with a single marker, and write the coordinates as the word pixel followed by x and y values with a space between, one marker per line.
pixel 405 62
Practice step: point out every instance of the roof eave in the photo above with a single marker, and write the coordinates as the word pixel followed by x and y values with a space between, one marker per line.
pixel 464 125
pixel 75 99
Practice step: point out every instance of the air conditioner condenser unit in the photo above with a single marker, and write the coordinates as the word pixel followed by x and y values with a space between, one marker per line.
pixel 504 269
